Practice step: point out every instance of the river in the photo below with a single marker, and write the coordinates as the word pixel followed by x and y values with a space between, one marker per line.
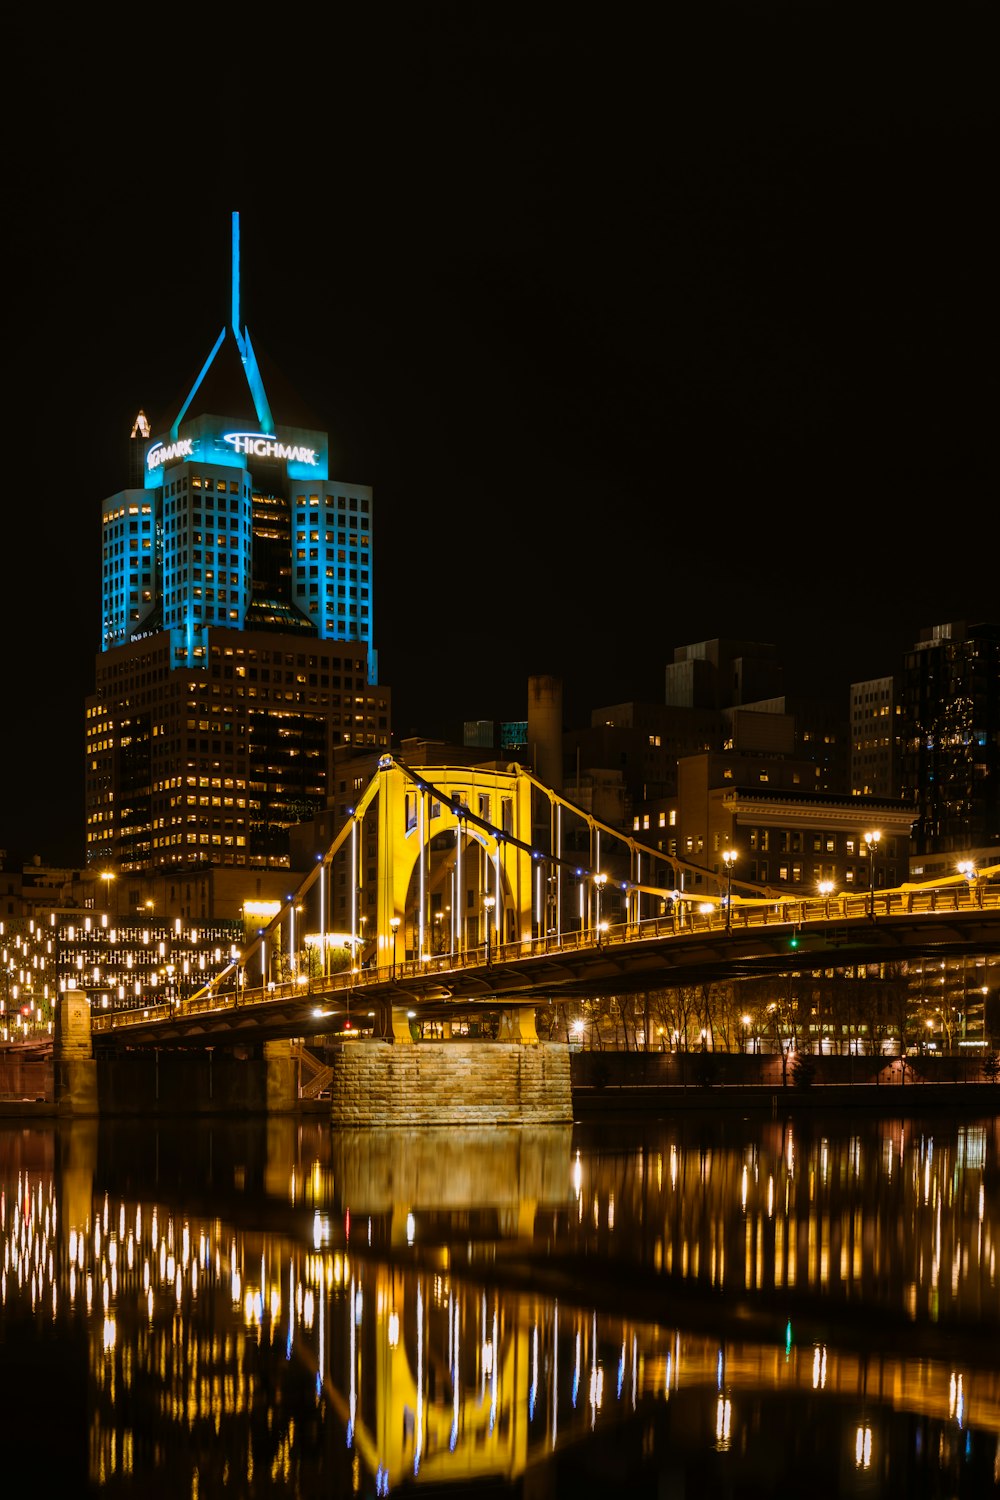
pixel 693 1306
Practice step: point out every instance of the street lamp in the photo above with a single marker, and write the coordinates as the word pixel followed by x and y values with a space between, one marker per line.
pixel 394 924
pixel 107 876
pixel 871 843
pixel 488 902
pixel 600 881
pixel 729 856
pixel 826 891
pixel 968 869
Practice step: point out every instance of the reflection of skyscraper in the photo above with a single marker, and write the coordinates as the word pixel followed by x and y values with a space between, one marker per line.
pixel 237 652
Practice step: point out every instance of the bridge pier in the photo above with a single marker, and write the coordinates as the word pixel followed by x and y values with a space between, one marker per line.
pixel 518 1024
pixel 451 1083
pixel 392 1023
pixel 282 1077
pixel 74 1067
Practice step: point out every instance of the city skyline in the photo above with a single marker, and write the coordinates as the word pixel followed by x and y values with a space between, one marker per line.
pixel 619 384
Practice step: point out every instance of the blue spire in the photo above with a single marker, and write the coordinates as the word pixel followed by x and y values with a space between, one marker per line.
pixel 248 358
pixel 236 276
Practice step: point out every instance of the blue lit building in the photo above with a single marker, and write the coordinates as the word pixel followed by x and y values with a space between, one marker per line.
pixel 237 660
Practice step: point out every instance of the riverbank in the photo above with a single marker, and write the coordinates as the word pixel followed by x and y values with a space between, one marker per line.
pixel 631 1100
pixel 615 1084
pixel 630 1083
pixel 626 1101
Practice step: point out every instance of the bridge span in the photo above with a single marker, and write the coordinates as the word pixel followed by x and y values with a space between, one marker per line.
pixel 693 945
pixel 457 892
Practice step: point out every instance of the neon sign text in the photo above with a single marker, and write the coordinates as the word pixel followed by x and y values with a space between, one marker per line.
pixel 159 454
pixel 259 445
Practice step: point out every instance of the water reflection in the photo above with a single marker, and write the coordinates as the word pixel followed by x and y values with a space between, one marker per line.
pixel 692 1306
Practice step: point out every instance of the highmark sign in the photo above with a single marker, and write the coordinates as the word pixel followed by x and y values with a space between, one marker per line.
pixel 259 445
pixel 245 444
pixel 161 453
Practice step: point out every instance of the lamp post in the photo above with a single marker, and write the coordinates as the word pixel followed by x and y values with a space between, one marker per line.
pixel 291 936
pixel 729 856
pixel 394 924
pixel 967 868
pixel 871 843
pixel 107 876
pixel 600 881
pixel 489 902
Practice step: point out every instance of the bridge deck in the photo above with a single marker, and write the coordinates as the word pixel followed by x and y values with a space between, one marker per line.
pixel 810 935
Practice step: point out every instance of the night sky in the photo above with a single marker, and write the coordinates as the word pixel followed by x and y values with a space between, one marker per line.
pixel 641 337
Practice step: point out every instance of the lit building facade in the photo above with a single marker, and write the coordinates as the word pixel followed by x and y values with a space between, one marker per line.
pixel 237 652
pixel 118 964
pixel 951 738
pixel 875 718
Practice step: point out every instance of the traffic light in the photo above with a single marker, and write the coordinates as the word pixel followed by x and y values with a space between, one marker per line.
pixel 793 941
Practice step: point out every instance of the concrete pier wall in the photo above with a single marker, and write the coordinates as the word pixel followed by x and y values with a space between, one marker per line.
pixel 451 1083
pixel 161 1082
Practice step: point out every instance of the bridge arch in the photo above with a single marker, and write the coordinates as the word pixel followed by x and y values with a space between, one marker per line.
pixel 465 836
pixel 455 860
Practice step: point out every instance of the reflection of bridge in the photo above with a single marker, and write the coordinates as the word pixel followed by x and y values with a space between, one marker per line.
pixel 451 1355
pixel 468 889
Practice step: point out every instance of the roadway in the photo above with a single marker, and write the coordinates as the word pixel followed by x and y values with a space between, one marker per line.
pixel 664 953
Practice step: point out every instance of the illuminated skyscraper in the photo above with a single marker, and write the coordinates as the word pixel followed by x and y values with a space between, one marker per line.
pixel 237 658
pixel 951 738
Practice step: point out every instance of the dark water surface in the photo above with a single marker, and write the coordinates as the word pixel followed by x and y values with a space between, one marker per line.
pixel 692 1307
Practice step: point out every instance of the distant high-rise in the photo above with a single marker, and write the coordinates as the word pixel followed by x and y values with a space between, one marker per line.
pixel 951 738
pixel 875 719
pixel 722 674
pixel 237 655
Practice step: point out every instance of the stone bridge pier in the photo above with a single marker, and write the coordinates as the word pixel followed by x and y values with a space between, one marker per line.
pixel 467 1083
pixel 387 1080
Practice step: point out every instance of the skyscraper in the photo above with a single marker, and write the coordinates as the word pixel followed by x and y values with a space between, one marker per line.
pixel 237 658
pixel 951 738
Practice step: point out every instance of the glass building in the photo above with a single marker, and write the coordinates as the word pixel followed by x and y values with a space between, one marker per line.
pixel 237 657
pixel 951 738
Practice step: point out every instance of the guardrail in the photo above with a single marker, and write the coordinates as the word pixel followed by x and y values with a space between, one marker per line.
pixel 684 921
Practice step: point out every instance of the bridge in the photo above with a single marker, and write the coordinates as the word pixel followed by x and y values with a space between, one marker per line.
pixel 473 890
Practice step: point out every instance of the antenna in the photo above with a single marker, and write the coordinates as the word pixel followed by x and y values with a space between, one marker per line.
pixel 236 276
pixel 246 353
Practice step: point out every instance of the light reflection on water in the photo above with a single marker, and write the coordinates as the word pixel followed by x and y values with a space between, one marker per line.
pixel 267 1307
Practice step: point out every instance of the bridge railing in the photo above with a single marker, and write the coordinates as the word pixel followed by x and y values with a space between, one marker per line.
pixel 110 1020
pixel 685 920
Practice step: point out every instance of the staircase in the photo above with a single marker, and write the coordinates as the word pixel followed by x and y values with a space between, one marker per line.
pixel 314 1076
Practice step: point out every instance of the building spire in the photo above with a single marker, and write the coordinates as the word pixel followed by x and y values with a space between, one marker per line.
pixel 249 360
pixel 236 275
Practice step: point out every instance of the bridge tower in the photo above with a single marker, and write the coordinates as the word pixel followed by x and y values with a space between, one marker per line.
pixel 454 859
